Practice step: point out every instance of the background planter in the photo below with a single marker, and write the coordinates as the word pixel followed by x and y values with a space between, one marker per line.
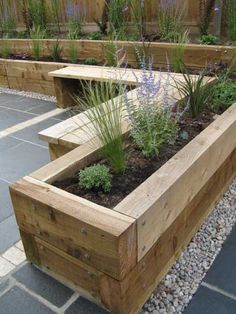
pixel 119 256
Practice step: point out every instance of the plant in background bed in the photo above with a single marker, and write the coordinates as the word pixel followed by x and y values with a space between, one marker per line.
pixel 37 14
pixel 206 8
pixel 104 110
pixel 152 120
pixel 37 34
pixel 7 18
pixel 73 52
pixel 91 61
pixel 116 17
pixel 55 12
pixel 137 12
pixel 95 36
pixel 5 50
pixel 208 40
pixel 96 177
pixel 196 91
pixel 113 54
pixel 224 95
pixel 178 51
pixel 56 51
pixel 169 18
pixel 231 19
pixel 75 20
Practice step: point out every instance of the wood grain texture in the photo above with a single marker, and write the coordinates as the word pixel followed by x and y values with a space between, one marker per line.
pixel 160 199
pixel 96 235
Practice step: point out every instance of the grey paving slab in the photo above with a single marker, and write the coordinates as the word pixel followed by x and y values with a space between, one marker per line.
pixel 83 306
pixel 43 107
pixel 9 117
pixel 4 285
pixel 7 143
pixel 43 285
pixel 223 271
pixel 9 233
pixel 210 302
pixel 21 160
pixel 63 116
pixel 6 209
pixel 31 133
pixel 16 300
pixel 10 100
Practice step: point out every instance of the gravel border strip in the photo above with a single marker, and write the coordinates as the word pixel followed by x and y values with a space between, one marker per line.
pixel 28 94
pixel 180 284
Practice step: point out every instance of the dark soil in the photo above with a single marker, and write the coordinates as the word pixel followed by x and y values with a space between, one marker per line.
pixel 139 168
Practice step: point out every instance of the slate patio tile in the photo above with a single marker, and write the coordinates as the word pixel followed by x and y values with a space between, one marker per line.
pixel 222 274
pixel 22 160
pixel 9 233
pixel 6 209
pixel 84 306
pixel 9 118
pixel 16 300
pixel 7 143
pixel 43 107
pixel 44 285
pixel 207 301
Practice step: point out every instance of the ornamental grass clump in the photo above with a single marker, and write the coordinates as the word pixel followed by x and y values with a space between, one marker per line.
pixel 151 117
pixel 37 14
pixel 116 17
pixel 76 18
pixel 37 34
pixel 178 51
pixel 7 19
pixel 169 19
pixel 56 51
pixel 104 110
pixel 96 177
pixel 206 8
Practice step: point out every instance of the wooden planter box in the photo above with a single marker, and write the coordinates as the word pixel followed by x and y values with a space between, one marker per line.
pixel 119 256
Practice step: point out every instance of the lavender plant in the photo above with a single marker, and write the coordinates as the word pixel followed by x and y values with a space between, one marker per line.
pixel 169 18
pixel 75 18
pixel 152 120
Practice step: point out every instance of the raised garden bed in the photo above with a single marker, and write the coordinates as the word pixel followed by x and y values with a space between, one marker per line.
pixel 119 255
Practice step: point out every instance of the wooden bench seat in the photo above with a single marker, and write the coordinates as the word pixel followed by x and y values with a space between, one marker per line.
pixel 73 132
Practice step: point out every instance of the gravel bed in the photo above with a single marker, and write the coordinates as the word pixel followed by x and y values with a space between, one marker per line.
pixel 178 287
pixel 28 94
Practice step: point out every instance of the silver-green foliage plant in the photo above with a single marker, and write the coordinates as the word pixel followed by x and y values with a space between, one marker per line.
pixel 96 177
pixel 104 110
pixel 197 91
pixel 178 51
pixel 152 122
pixel 37 35
pixel 231 19
pixel 169 19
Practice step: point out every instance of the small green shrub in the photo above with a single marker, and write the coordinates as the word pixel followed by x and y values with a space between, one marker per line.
pixel 95 177
pixel 208 40
pixel 22 35
pixel 56 52
pixel 95 36
pixel 91 61
pixel 224 95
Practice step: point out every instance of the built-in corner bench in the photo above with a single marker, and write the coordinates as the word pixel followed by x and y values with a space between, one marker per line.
pixel 71 133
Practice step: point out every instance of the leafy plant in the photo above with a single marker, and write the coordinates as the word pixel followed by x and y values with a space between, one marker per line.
pixel 37 14
pixel 91 61
pixel 231 19
pixel 95 177
pixel 104 111
pixel 116 17
pixel 55 11
pixel 73 52
pixel 95 36
pixel 137 11
pixel 75 18
pixel 56 51
pixel 197 90
pixel 177 55
pixel 206 12
pixel 21 35
pixel 5 48
pixel 7 19
pixel 170 16
pixel 208 40
pixel 224 95
pixel 151 116
pixel 37 34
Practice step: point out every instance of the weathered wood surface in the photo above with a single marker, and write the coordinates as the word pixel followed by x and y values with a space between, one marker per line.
pixel 56 217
